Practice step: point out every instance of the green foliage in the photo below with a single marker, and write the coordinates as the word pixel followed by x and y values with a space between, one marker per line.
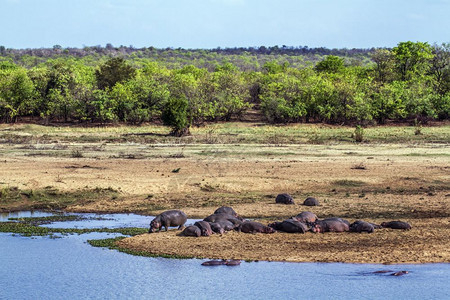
pixel 411 81
pixel 115 70
pixel 175 115
pixel 331 64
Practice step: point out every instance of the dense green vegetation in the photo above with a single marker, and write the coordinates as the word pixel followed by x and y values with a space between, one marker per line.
pixel 409 82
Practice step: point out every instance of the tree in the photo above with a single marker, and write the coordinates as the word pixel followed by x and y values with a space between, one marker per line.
pixel 384 65
pixel 175 115
pixel 412 58
pixel 331 64
pixel 113 71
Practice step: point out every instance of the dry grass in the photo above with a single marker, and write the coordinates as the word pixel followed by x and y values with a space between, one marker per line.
pixel 407 181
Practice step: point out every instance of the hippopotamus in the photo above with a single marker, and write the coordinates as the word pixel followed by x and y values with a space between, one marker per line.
pixel 396 225
pixel 192 231
pixel 214 262
pixel 222 225
pixel 205 228
pixel 217 228
pixel 284 199
pixel 306 217
pixel 254 227
pixel 227 262
pixel 290 226
pixel 214 218
pixel 168 219
pixel 311 201
pixel 331 225
pixel 399 273
pixel 226 210
pixel 362 226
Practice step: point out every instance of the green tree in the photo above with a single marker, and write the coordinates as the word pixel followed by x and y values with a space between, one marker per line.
pixel 331 64
pixel 175 115
pixel 412 59
pixel 113 71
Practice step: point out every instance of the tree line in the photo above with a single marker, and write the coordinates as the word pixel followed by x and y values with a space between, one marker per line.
pixel 408 82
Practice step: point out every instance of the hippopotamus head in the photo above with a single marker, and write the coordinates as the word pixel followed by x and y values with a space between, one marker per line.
pixel 317 228
pixel 268 229
pixel 154 225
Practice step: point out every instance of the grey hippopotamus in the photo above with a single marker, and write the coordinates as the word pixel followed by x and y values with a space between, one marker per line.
pixel 227 262
pixel 217 228
pixel 170 218
pixel 362 226
pixel 205 228
pixel 290 226
pixel 220 217
pixel 226 210
pixel 331 225
pixel 306 217
pixel 222 225
pixel 192 231
pixel 255 227
pixel 284 199
pixel 396 225
pixel 311 201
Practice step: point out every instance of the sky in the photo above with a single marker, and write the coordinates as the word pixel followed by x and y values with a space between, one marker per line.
pixel 222 23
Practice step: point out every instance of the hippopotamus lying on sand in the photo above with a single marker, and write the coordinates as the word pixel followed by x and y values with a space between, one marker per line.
pixel 170 218
pixel 284 199
pixel 255 227
pixel 396 225
pixel 192 231
pixel 205 228
pixel 362 226
pixel 311 201
pixel 331 225
pixel 226 210
pixel 306 217
pixel 290 226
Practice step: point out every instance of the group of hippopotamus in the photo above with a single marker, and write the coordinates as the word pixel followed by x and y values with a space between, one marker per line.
pixel 226 219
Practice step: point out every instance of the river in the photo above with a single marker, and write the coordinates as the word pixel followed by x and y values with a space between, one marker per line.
pixel 69 268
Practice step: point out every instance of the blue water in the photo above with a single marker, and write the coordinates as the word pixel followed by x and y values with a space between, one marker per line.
pixel 69 268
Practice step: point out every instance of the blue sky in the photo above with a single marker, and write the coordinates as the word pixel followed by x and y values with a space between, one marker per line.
pixel 222 23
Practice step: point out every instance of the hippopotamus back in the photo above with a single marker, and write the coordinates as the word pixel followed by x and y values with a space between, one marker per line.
pixel 290 226
pixel 226 210
pixel 205 228
pixel 306 217
pixel 192 231
pixel 284 199
pixel 311 201
pixel 362 226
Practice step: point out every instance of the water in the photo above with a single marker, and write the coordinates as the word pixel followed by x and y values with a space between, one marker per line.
pixel 69 268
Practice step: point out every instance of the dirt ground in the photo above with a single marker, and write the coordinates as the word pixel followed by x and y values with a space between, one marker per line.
pixel 373 182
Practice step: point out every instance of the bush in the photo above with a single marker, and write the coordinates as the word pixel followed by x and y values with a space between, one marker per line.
pixel 175 115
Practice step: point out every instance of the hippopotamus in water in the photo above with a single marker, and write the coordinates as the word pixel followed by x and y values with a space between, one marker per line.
pixel 290 226
pixel 331 225
pixel 205 228
pixel 227 262
pixel 362 226
pixel 215 218
pixel 192 231
pixel 284 199
pixel 254 227
pixel 168 219
pixel 214 262
pixel 399 273
pixel 306 217
pixel 396 225
pixel 311 201
pixel 226 210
